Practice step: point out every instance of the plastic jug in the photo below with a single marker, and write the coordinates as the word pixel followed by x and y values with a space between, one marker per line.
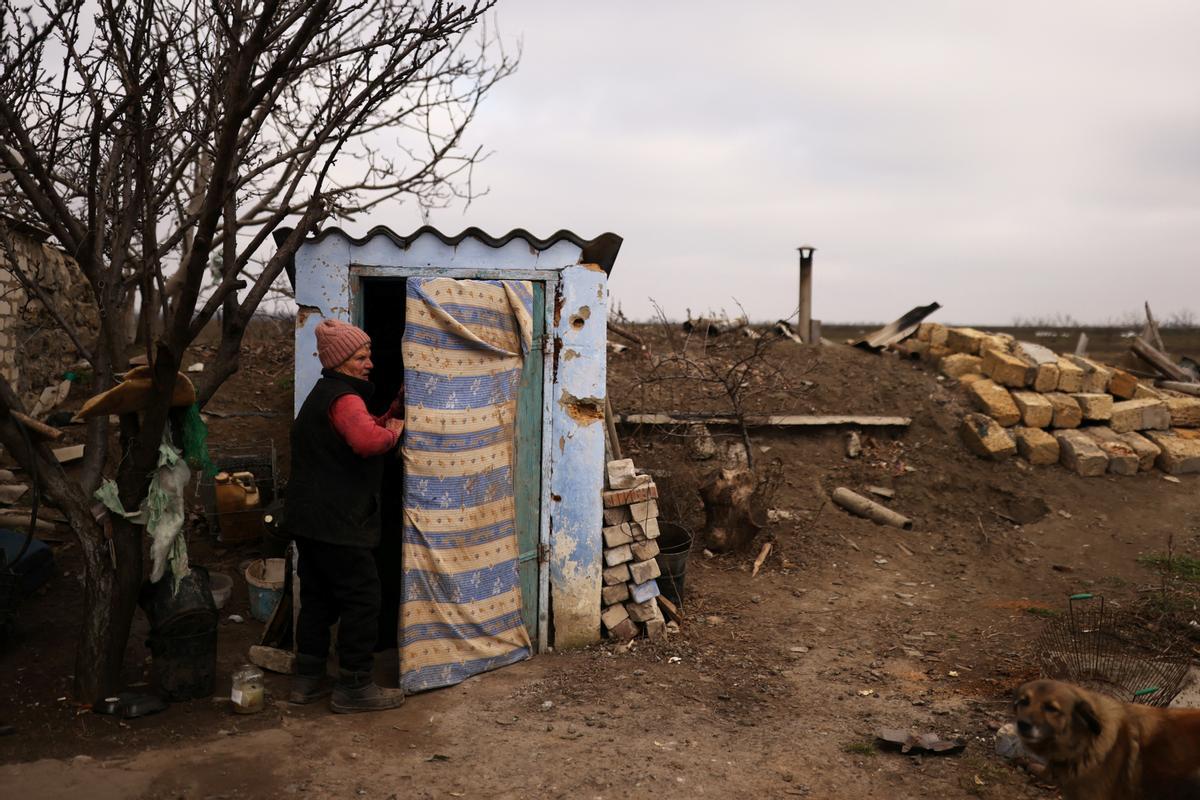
pixel 239 515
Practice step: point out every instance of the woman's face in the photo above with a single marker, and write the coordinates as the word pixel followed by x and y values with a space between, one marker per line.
pixel 358 365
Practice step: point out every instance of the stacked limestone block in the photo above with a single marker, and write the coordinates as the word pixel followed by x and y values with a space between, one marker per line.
pixel 27 328
pixel 630 594
pixel 1092 418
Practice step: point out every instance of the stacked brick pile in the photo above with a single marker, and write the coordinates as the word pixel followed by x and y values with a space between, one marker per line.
pixel 1049 408
pixel 630 591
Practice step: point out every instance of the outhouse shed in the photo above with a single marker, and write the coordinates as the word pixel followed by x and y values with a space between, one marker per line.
pixel 492 515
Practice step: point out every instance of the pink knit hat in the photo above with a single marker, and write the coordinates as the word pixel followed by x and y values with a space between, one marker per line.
pixel 337 341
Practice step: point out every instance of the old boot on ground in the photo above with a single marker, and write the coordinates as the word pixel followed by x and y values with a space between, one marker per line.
pixel 310 683
pixel 355 691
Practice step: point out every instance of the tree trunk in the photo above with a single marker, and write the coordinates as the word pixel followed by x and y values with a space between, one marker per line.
pixel 110 592
pixel 93 667
pixel 95 453
pixel 96 674
pixel 728 503
pixel 110 611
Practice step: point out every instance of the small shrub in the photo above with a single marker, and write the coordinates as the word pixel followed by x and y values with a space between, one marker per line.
pixel 866 748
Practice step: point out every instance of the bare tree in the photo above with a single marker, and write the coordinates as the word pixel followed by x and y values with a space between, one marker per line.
pixel 1183 319
pixel 158 139
pixel 722 369
pixel 730 370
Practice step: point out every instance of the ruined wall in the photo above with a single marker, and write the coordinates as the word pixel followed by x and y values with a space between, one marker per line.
pixel 34 351
pixel 9 289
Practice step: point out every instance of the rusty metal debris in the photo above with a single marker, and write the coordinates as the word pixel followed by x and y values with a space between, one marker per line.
pixel 906 742
pixel 896 331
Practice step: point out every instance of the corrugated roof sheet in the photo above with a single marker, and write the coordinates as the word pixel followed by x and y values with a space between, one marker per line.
pixel 601 250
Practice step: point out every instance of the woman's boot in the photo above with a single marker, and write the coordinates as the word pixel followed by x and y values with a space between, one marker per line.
pixel 355 691
pixel 310 683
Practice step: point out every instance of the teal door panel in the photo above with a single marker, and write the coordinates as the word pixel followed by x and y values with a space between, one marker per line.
pixel 527 477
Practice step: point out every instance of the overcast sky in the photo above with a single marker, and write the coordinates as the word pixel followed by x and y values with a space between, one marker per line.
pixel 1015 159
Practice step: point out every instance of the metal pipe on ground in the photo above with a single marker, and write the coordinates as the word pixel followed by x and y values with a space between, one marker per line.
pixel 857 504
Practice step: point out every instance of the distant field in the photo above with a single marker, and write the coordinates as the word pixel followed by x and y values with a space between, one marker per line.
pixel 1109 344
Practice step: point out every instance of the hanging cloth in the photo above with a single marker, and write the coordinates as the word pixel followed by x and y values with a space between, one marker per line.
pixel 163 512
pixel 464 346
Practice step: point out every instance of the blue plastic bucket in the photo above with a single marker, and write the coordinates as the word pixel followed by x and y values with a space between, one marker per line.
pixel 264 583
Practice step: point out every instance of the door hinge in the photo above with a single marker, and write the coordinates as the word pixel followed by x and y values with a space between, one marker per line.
pixel 543 553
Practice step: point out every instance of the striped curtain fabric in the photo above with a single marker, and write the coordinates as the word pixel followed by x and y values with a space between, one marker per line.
pixel 464 345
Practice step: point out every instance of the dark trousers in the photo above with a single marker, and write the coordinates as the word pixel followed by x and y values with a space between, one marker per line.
pixel 388 564
pixel 338 584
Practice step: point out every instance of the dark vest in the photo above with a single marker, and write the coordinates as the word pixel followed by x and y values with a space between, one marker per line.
pixel 333 493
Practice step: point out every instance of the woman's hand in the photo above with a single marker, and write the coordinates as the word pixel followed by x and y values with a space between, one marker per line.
pixel 395 425
pixel 396 409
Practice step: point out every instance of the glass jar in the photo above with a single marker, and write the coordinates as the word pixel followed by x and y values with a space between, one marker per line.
pixel 247 694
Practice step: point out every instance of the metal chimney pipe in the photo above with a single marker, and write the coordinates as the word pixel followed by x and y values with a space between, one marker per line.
pixel 804 324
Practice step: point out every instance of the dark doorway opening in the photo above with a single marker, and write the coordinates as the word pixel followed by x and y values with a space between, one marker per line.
pixel 383 311
pixel 383 315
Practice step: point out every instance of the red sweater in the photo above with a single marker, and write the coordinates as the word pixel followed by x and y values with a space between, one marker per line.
pixel 365 433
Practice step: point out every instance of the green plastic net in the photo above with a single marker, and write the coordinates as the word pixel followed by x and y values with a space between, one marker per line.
pixel 195 442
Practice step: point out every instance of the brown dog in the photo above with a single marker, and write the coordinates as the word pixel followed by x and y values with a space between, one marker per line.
pixel 1098 748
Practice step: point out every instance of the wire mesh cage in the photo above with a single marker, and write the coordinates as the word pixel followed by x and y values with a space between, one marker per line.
pixel 1107 651
pixel 244 487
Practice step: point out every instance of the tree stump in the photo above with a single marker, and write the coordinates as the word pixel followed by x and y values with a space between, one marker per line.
pixel 729 498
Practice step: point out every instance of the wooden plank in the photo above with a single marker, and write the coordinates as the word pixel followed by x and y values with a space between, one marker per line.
pixel 669 610
pixel 630 335
pixel 527 484
pixel 769 421
pixel 612 441
pixel 38 429
pixel 1179 386
pixel 1152 329
pixel 1159 360
pixel 19 521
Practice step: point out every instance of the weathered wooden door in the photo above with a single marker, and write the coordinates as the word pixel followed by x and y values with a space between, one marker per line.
pixel 527 478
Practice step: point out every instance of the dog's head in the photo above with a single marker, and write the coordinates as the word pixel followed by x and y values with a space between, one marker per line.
pixel 1055 720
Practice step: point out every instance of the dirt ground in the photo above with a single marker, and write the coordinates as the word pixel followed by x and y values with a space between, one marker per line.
pixel 774 685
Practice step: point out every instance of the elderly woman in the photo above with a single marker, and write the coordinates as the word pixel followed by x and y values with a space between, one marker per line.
pixel 332 509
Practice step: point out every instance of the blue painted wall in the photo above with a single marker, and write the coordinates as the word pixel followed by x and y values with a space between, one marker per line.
pixel 577 478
